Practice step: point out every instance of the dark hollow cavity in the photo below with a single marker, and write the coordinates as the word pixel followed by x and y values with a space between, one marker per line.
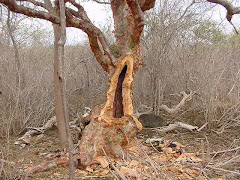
pixel 118 98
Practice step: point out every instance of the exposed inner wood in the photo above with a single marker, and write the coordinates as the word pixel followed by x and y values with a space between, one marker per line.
pixel 118 98
pixel 118 107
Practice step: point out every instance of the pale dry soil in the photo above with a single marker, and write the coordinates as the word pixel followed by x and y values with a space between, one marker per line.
pixel 42 147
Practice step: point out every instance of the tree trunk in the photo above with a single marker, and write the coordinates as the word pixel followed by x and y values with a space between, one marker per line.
pixel 20 82
pixel 113 130
pixel 59 90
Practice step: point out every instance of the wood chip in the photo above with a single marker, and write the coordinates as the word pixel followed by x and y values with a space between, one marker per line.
pixel 134 163
pixel 102 161
pixel 128 172
pixel 81 171
pixel 89 169
pixel 105 172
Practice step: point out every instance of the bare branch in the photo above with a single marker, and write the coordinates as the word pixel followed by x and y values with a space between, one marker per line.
pixel 231 10
pixel 187 8
pixel 14 7
pixel 36 3
pixel 78 19
pixel 234 27
pixel 147 111
pixel 102 60
pixel 93 32
pixel 224 170
pixel 101 2
pixel 146 4
pixel 186 97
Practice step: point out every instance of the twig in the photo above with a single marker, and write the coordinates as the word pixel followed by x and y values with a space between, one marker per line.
pixel 234 27
pixel 224 151
pixel 151 162
pixel 7 162
pixel 203 126
pixel 112 166
pixel 220 169
pixel 101 2
pixel 228 162
pixel 45 166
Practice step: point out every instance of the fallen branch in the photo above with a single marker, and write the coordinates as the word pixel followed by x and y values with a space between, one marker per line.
pixel 224 151
pixel 203 126
pixel 224 170
pixel 176 125
pixel 186 97
pixel 45 166
pixel 147 111
pixel 25 139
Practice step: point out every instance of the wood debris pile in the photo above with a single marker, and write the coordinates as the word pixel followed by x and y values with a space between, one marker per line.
pixel 155 158
pixel 160 160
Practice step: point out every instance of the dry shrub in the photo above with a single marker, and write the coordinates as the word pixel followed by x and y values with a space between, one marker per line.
pixel 30 103
pixel 175 61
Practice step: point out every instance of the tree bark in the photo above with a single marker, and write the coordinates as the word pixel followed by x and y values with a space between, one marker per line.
pixel 113 128
pixel 61 44
pixel 58 89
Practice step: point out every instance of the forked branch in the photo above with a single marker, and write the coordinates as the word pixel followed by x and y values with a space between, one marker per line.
pixel 186 97
pixel 148 110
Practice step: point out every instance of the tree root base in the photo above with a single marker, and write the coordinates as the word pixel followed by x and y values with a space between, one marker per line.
pixel 99 138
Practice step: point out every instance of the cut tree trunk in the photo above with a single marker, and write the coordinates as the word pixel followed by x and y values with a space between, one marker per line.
pixel 113 129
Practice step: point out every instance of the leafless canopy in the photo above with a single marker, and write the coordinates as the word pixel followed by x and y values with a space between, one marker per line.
pixel 79 19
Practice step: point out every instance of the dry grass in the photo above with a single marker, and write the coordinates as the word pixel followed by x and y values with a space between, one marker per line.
pixel 206 145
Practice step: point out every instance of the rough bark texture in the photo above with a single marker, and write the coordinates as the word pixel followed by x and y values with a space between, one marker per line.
pixel 114 128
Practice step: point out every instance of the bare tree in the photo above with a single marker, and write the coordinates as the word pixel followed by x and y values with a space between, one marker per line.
pixel 114 128
pixel 19 75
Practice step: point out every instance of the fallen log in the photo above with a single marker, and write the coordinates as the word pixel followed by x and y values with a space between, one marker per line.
pixel 176 125
pixel 26 138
